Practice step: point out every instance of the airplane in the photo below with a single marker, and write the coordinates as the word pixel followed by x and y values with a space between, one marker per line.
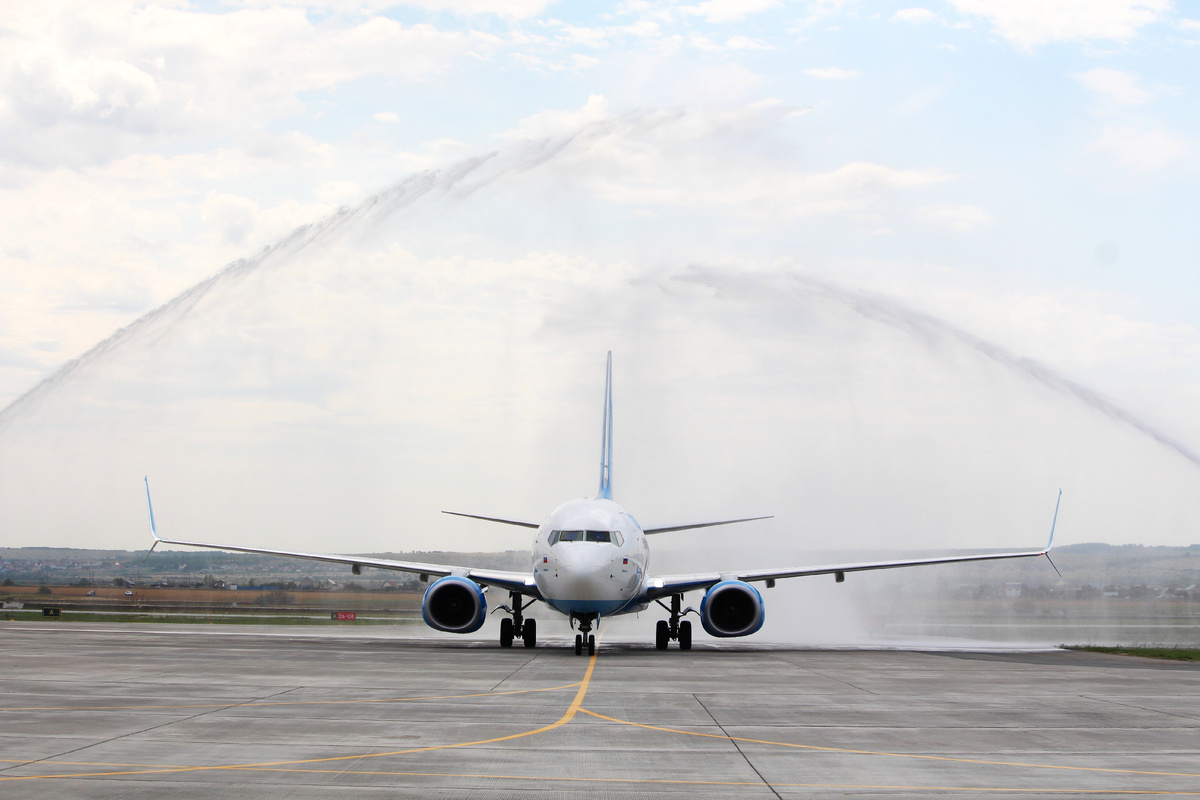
pixel 590 561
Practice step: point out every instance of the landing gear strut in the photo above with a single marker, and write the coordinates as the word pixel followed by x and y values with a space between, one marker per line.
pixel 680 630
pixel 584 638
pixel 517 626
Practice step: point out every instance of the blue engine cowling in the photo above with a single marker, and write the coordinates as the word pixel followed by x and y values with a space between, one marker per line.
pixel 454 605
pixel 731 608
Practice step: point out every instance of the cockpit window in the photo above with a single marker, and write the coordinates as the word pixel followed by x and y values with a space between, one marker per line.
pixel 579 536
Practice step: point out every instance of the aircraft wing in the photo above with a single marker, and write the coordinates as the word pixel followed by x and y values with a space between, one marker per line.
pixel 511 581
pixel 675 584
pixel 693 525
pixel 502 579
pixel 666 585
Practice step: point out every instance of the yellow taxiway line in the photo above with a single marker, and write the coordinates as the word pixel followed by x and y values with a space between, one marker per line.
pixel 576 707
pixel 567 716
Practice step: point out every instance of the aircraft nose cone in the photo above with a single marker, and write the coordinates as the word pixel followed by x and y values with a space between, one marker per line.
pixel 579 572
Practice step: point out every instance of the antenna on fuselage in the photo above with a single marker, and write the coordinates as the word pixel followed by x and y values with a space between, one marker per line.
pixel 606 441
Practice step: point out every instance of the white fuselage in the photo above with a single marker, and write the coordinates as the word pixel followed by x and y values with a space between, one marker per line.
pixel 590 558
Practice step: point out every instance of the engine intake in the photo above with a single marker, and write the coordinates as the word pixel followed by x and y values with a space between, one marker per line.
pixel 731 608
pixel 454 605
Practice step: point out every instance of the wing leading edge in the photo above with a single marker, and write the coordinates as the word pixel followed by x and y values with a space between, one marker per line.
pixel 665 585
pixel 510 581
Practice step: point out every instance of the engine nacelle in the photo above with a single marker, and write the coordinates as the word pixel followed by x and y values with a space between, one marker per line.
pixel 731 608
pixel 454 605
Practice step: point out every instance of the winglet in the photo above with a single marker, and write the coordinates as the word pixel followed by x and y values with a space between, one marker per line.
pixel 150 508
pixel 606 441
pixel 1053 525
pixel 1054 522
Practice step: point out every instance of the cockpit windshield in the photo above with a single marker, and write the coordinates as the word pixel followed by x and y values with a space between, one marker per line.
pixel 580 536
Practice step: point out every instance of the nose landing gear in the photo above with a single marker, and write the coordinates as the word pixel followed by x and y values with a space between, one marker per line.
pixel 584 638
pixel 517 626
pixel 676 629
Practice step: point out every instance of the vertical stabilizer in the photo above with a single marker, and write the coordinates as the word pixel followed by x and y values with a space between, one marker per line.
pixel 606 439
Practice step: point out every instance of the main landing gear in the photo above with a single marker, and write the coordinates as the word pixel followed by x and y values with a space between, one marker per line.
pixel 584 638
pixel 517 626
pixel 676 629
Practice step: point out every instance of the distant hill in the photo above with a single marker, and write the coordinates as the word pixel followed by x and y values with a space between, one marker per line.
pixel 1093 564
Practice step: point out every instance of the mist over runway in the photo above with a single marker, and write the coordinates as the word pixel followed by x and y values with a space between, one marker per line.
pixel 439 347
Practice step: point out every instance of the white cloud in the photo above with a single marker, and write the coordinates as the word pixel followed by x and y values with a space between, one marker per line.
pixel 511 9
pixel 516 9
pixel 338 192
pixel 915 15
pixel 1028 23
pixel 1119 87
pixel 663 161
pixel 85 82
pixel 957 217
pixel 745 43
pixel 1192 25
pixel 232 217
pixel 1141 149
pixel 817 11
pixel 386 116
pixel 552 122
pixel 731 10
pixel 832 73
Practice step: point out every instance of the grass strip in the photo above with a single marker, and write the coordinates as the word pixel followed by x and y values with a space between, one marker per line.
pixel 1170 653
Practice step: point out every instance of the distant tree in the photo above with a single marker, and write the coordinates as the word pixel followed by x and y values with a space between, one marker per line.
pixel 45 590
pixel 8 582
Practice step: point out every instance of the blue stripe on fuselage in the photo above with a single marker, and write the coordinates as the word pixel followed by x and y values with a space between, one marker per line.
pixel 605 608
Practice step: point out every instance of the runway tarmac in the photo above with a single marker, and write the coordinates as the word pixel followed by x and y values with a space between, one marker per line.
pixel 128 711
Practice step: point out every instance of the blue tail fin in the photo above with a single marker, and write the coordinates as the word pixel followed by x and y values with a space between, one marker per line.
pixel 606 439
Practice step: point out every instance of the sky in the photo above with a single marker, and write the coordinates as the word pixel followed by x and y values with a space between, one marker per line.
pixel 895 274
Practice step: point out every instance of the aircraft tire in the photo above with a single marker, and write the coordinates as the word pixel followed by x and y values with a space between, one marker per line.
pixel 506 632
pixel 685 635
pixel 662 635
pixel 578 644
pixel 591 645
pixel 529 632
